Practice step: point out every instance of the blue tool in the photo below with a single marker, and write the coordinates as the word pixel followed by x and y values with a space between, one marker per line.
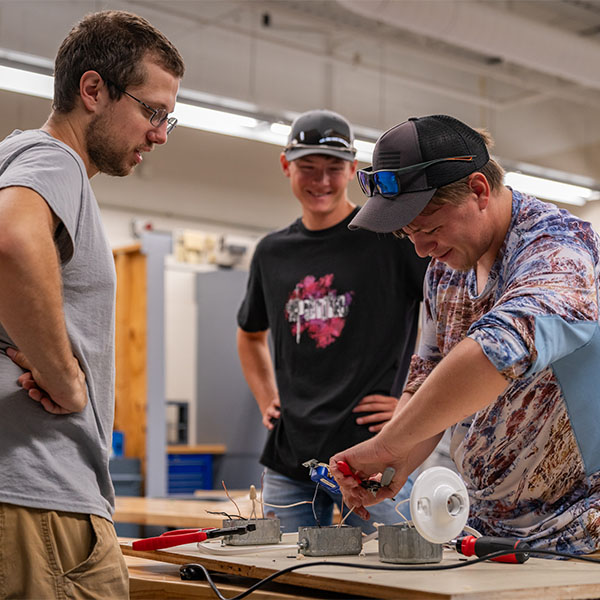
pixel 320 473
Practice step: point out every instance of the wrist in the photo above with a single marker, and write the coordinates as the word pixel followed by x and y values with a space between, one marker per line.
pixel 68 381
pixel 390 443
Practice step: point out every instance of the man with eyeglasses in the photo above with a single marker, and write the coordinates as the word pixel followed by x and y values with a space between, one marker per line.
pixel 510 341
pixel 341 308
pixel 116 80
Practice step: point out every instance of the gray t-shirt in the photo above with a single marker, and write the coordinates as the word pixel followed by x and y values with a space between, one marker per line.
pixel 60 462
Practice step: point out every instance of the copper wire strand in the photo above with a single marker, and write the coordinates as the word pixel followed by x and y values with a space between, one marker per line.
pixel 234 503
pixel 220 512
pixel 347 514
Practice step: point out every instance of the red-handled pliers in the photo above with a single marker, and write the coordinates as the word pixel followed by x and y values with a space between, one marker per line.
pixel 368 484
pixel 346 471
pixel 188 536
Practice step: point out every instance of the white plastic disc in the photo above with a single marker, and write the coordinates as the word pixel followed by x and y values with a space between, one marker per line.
pixel 439 504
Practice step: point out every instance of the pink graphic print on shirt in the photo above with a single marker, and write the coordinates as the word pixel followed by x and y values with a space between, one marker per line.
pixel 315 307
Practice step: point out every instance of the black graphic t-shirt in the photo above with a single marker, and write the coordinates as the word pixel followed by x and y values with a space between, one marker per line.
pixel 342 309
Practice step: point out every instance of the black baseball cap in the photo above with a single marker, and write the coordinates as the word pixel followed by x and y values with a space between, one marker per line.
pixel 419 140
pixel 320 132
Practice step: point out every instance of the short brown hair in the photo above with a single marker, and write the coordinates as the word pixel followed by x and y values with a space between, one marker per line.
pixel 455 193
pixel 113 43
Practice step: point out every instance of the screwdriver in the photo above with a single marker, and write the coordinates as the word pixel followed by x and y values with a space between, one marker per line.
pixel 482 546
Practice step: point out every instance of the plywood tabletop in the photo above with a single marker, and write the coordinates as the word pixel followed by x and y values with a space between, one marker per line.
pixel 152 580
pixel 537 578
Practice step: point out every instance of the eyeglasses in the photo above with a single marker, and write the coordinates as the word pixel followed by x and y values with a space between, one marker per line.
pixel 314 137
pixel 158 116
pixel 387 182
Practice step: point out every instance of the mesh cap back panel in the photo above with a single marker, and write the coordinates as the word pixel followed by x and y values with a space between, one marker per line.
pixel 441 136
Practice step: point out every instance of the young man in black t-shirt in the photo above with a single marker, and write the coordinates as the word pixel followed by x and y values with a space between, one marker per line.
pixel 341 308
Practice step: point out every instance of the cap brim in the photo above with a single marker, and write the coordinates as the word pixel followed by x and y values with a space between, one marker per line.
pixel 295 153
pixel 384 215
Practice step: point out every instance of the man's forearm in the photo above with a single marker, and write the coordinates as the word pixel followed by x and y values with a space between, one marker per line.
pixel 257 366
pixel 31 307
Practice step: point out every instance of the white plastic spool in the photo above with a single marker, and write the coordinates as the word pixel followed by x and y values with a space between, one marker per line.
pixel 439 504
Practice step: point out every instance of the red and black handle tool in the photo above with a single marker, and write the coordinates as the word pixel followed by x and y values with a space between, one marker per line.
pixel 482 546
pixel 188 536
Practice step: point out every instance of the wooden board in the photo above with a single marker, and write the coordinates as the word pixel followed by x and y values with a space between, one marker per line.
pixel 152 580
pixel 179 513
pixel 197 449
pixel 130 350
pixel 537 578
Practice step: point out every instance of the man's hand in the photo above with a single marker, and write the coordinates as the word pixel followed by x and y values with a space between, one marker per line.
pixel 368 460
pixel 381 407
pixel 272 412
pixel 56 399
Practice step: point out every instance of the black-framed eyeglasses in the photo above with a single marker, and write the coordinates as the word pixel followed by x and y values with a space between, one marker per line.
pixel 314 137
pixel 386 182
pixel 158 116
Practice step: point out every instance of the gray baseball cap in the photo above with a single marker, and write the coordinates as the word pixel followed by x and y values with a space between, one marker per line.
pixel 410 162
pixel 320 132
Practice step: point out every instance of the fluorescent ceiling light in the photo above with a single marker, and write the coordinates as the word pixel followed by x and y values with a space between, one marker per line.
pixel 26 82
pixel 238 120
pixel 241 125
pixel 281 129
pixel 549 189
pixel 191 115
pixel 364 148
pixel 208 119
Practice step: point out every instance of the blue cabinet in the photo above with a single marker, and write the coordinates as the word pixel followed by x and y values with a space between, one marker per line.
pixel 189 472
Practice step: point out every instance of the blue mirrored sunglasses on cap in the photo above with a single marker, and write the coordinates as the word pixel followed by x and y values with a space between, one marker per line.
pixel 386 182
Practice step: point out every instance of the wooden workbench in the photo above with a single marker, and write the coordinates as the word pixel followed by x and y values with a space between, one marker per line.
pixel 168 512
pixel 149 579
pixel 180 514
pixel 537 578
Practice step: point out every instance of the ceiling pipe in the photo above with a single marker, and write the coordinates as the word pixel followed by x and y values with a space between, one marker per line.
pixel 491 32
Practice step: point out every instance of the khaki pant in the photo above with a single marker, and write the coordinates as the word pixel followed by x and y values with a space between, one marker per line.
pixel 59 555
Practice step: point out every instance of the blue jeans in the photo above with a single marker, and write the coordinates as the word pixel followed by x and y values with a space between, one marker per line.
pixel 279 489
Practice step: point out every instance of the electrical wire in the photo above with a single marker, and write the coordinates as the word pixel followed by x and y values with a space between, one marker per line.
pixel 397 511
pixel 224 514
pixel 288 505
pixel 314 512
pixel 234 503
pixel 262 487
pixel 472 531
pixel 347 514
pixel 190 571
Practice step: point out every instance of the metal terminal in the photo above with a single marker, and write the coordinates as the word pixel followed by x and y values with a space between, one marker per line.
pixel 268 531
pixel 403 544
pixel 455 504
pixel 329 541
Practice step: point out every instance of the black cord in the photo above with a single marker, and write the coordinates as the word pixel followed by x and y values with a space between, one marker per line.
pixel 190 571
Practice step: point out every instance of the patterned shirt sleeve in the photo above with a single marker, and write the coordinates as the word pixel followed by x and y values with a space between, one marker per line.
pixel 546 305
